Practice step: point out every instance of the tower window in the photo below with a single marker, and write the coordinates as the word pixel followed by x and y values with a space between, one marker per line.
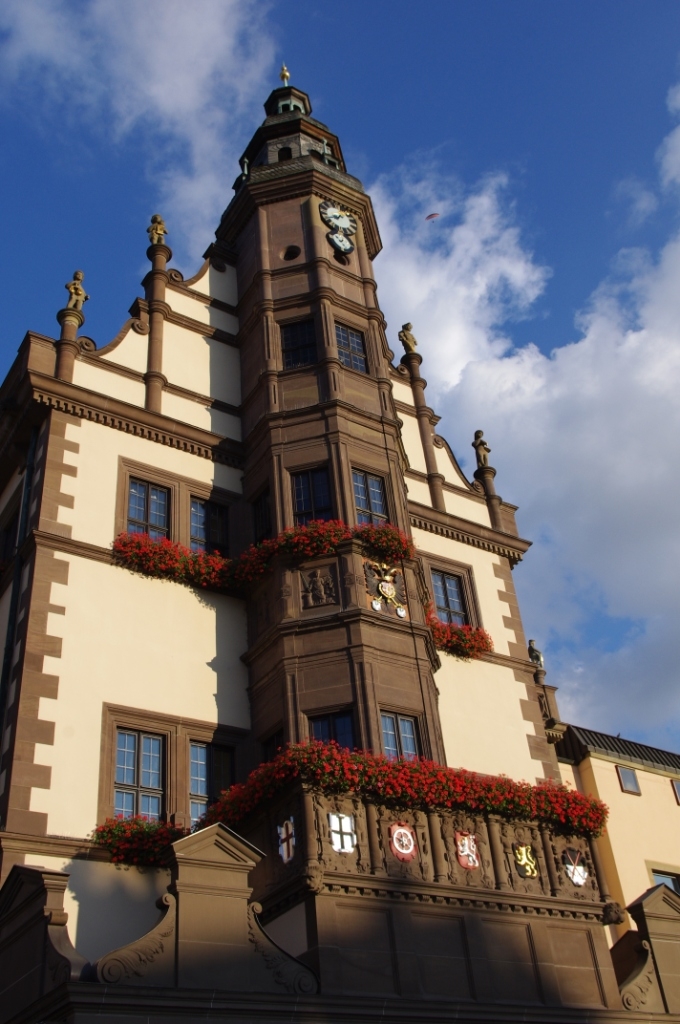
pixel 311 496
pixel 399 737
pixel 139 775
pixel 337 726
pixel 369 498
pixel 298 342
pixel 209 526
pixel 351 350
pixel 148 509
pixel 448 598
pixel 285 153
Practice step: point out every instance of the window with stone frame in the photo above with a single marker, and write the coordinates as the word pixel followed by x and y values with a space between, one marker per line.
pixel 449 598
pixel 139 779
pixel 298 344
pixel 311 495
pixel 148 509
pixel 400 736
pixel 369 498
pixel 628 780
pixel 211 771
pixel 335 725
pixel 209 527
pixel 668 878
pixel 351 348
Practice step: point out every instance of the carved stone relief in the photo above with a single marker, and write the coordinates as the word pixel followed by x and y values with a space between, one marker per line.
pixel 318 587
pixel 481 877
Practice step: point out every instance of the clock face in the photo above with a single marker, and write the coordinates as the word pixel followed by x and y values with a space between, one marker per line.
pixel 338 218
pixel 340 241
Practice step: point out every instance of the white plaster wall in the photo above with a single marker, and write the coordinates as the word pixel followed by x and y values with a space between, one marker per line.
pixel 108 906
pixel 419 490
pixel 222 285
pixel 94 488
pixel 133 352
pixel 481 717
pixel 187 411
pixel 467 508
pixel 448 468
pixel 201 364
pixel 402 392
pixel 195 308
pixel 106 382
pixel 10 488
pixel 410 435
pixel 138 642
pixel 487 584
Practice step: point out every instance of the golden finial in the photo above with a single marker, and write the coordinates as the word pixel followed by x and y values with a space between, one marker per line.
pixel 284 75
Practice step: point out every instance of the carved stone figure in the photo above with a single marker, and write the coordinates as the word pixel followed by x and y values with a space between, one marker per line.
pixel 482 449
pixel 535 655
pixel 407 339
pixel 77 294
pixel 318 588
pixel 157 230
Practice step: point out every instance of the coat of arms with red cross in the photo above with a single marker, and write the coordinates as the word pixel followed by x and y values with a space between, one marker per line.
pixel 286 840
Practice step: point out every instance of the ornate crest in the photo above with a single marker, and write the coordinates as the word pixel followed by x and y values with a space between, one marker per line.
pixel 525 861
pixel 286 839
pixel 318 588
pixel 343 836
pixel 385 585
pixel 466 850
pixel 402 841
pixel 575 866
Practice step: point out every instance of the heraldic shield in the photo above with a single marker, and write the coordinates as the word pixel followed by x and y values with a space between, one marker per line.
pixel 466 850
pixel 525 860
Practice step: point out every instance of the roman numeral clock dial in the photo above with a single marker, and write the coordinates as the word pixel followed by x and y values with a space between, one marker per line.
pixel 342 224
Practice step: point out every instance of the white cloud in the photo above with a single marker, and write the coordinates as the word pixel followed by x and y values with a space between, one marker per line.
pixel 186 81
pixel 642 202
pixel 586 440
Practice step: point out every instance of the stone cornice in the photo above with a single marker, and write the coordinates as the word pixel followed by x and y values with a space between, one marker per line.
pixel 53 846
pixel 453 528
pixel 152 426
pixel 68 546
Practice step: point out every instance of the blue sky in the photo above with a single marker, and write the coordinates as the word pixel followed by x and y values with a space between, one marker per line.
pixel 544 298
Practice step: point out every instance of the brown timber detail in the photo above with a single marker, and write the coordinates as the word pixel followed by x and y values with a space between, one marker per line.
pixel 453 528
pixel 131 419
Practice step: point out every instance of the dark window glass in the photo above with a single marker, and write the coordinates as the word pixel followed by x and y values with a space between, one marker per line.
pixel 285 153
pixel 399 737
pixel 351 349
pixel 148 509
pixel 272 745
pixel 262 517
pixel 337 726
pixel 139 775
pixel 448 598
pixel 209 526
pixel 311 496
pixel 663 878
pixel 369 497
pixel 628 780
pixel 298 342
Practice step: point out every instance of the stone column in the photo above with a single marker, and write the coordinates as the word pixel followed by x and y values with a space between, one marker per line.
pixel 68 346
pixel 154 284
pixel 485 475
pixel 412 361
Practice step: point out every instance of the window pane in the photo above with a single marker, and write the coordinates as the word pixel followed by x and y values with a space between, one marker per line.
pixel 150 807
pixel 198 524
pixel 377 495
pixel 628 778
pixel 321 728
pixel 321 494
pixel 158 508
pixel 389 732
pixel 344 733
pixel 661 878
pixel 123 804
pixel 199 769
pixel 302 496
pixel 151 761
pixel 126 758
pixel 455 599
pixel 407 732
pixel 218 527
pixel 298 342
pixel 137 501
pixel 197 810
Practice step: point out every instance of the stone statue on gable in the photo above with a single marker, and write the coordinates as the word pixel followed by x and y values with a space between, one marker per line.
pixel 407 339
pixel 157 230
pixel 482 449
pixel 77 294
pixel 535 655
